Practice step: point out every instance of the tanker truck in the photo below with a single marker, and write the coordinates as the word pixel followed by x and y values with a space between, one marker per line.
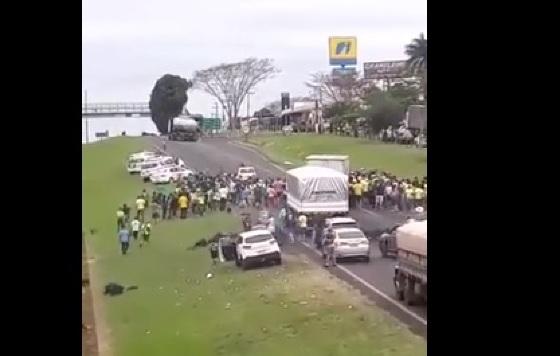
pixel 411 271
pixel 184 128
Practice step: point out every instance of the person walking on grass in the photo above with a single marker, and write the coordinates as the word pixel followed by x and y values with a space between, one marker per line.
pixel 183 205
pixel 146 233
pixel 140 207
pixel 328 244
pixel 126 210
pixel 135 225
pixel 124 239
pixel 120 218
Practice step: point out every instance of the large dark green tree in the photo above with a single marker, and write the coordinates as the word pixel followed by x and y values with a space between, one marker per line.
pixel 168 98
pixel 383 110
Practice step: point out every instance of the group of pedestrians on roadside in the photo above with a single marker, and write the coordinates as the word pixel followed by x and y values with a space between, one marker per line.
pixel 135 227
pixel 384 191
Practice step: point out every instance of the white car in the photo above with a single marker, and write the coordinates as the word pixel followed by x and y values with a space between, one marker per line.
pixel 150 166
pixel 339 222
pixel 147 173
pixel 257 246
pixel 136 160
pixel 244 173
pixel 169 174
pixel 351 242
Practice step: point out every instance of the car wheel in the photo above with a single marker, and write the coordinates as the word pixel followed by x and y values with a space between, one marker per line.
pixel 409 295
pixel 279 261
pixel 244 264
pixel 237 262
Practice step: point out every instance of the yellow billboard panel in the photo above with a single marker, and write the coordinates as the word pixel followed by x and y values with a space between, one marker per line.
pixel 343 50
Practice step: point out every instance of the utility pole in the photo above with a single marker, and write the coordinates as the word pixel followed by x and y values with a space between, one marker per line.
pixel 216 109
pixel 249 103
pixel 87 117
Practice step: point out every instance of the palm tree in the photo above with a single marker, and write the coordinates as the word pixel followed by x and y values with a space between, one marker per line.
pixel 417 59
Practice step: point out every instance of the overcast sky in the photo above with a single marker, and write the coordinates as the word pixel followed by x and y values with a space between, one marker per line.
pixel 128 44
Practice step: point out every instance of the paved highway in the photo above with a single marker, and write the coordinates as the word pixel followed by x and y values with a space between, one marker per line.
pixel 374 279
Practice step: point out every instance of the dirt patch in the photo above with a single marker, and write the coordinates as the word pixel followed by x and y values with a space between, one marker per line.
pixel 89 335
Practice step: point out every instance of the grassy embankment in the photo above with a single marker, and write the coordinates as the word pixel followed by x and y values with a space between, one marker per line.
pixel 295 309
pixel 398 159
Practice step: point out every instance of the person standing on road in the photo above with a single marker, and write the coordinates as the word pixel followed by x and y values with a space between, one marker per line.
pixel 224 192
pixel 124 239
pixel 328 252
pixel 358 187
pixel 135 225
pixel 379 192
pixel 302 227
pixel 140 207
pixel 183 205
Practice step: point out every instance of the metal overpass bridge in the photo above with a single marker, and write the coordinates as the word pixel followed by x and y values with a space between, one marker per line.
pixel 116 109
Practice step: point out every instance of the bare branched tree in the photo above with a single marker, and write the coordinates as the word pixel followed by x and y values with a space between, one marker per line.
pixel 229 83
pixel 343 88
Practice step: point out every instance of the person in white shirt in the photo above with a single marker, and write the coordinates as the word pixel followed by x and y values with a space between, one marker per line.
pixel 223 191
pixel 302 226
pixel 271 226
pixel 135 225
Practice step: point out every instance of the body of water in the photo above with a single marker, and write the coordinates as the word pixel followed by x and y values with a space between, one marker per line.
pixel 133 126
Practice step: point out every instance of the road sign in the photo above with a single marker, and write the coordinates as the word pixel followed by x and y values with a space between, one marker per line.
pixel 384 70
pixel 211 123
pixel 343 50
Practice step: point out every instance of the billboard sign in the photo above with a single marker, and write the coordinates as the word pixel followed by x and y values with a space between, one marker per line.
pixel 343 50
pixel 384 70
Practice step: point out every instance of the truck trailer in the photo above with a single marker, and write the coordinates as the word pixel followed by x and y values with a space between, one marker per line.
pixel 411 271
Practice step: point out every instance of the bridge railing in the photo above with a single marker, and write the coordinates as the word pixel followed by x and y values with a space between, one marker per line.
pixel 96 108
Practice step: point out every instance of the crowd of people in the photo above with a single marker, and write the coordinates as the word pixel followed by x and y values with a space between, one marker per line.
pixel 202 193
pixel 384 191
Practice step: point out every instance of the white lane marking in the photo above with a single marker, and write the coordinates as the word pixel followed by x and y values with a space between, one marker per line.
pixel 372 288
pixel 361 280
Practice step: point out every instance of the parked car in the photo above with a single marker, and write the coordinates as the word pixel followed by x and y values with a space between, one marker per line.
pixel 169 174
pixel 135 160
pixel 351 242
pixel 257 246
pixel 339 222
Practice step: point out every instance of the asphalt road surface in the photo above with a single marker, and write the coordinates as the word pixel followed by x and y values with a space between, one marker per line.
pixel 215 155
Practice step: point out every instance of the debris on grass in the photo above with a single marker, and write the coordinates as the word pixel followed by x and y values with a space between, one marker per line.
pixel 228 306
pixel 209 275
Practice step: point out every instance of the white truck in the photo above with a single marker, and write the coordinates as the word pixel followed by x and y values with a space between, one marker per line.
pixel 411 271
pixel 339 163
pixel 184 129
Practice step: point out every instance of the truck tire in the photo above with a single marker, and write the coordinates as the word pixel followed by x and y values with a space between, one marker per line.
pixel 383 248
pixel 244 264
pixel 409 295
pixel 399 284
pixel 278 261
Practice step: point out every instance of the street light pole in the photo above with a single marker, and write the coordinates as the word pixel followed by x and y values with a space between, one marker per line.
pixel 249 103
pixel 87 117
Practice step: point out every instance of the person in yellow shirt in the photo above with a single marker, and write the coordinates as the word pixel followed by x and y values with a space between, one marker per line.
pixel 365 188
pixel 183 205
pixel 418 197
pixel 201 201
pixel 358 193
